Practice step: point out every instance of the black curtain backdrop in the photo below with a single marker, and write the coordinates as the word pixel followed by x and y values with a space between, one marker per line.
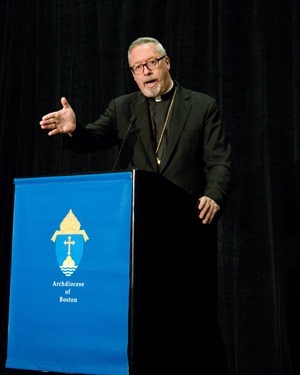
pixel 244 53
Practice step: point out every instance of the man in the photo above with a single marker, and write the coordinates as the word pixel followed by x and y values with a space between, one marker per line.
pixel 177 133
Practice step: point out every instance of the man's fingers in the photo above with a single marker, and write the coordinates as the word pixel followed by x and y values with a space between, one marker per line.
pixel 49 116
pixel 53 132
pixel 208 209
pixel 64 102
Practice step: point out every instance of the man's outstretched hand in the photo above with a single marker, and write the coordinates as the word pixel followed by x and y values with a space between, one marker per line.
pixel 62 121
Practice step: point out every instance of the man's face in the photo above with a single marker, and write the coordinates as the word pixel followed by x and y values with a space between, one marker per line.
pixel 151 82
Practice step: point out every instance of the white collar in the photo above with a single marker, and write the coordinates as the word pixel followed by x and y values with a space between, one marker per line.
pixel 158 98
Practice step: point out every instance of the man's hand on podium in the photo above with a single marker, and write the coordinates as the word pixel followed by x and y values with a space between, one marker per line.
pixel 208 209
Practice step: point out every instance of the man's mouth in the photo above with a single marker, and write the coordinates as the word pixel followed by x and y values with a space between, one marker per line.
pixel 150 83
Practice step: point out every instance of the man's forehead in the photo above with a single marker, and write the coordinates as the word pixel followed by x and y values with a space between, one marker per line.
pixel 142 52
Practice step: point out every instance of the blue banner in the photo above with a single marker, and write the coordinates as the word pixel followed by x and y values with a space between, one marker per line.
pixel 70 275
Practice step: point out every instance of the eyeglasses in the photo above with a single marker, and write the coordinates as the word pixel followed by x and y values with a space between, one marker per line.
pixel 150 64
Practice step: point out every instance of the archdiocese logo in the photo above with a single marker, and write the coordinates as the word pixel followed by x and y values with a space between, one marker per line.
pixel 69 241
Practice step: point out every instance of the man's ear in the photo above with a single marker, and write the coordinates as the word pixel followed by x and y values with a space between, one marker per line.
pixel 168 63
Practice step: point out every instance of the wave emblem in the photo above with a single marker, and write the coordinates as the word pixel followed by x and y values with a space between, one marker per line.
pixel 69 244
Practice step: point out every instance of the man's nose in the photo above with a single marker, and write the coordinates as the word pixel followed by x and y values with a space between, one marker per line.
pixel 147 71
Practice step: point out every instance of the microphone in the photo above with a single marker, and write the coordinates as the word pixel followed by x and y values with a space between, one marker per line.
pixel 131 122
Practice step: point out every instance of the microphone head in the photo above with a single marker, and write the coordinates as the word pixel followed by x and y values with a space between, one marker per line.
pixel 132 119
pixel 131 122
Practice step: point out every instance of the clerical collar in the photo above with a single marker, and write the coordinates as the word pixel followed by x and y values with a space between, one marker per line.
pixel 166 95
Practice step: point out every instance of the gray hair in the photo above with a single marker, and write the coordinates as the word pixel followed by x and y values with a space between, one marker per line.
pixel 145 40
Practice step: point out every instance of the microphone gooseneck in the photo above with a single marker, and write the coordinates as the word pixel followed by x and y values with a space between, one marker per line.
pixel 131 122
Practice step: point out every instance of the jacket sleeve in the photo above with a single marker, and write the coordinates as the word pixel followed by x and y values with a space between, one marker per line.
pixel 95 136
pixel 217 158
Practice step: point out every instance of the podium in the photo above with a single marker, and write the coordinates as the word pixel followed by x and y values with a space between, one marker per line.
pixel 105 278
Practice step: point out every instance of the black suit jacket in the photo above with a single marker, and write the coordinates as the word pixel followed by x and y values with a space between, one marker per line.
pixel 198 154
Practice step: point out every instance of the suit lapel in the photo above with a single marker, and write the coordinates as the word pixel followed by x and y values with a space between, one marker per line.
pixel 144 130
pixel 177 122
